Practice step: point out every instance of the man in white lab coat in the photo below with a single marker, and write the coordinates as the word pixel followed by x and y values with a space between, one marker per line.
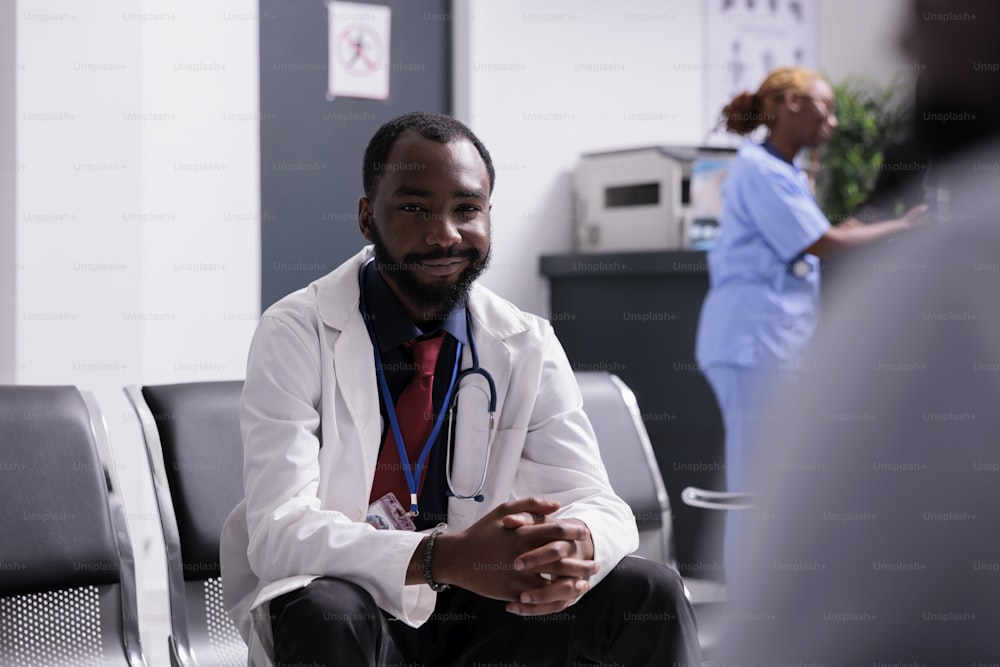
pixel 515 522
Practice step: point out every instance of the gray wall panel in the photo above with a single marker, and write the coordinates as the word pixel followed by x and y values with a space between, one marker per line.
pixel 311 147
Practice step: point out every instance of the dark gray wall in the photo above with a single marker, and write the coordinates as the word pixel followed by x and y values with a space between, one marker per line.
pixel 311 148
pixel 8 178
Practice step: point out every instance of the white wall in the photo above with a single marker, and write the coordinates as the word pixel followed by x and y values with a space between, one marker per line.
pixel 137 224
pixel 544 82
pixel 8 171
pixel 541 83
pixel 201 189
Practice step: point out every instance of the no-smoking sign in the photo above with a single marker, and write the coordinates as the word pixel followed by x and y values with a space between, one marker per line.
pixel 359 50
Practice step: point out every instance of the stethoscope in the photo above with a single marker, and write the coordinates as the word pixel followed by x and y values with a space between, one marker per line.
pixel 800 267
pixel 450 399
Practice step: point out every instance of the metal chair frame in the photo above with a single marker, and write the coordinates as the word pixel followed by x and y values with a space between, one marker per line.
pixel 190 643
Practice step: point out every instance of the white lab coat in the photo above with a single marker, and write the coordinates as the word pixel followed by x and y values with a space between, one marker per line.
pixel 311 430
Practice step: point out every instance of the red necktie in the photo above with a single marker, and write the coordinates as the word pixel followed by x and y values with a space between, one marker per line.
pixel 415 412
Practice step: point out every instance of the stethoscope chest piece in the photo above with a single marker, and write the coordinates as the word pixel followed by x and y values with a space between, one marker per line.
pixel 801 268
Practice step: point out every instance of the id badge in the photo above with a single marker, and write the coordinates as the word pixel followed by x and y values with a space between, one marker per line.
pixel 387 514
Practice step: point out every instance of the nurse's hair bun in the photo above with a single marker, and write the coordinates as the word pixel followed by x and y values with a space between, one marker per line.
pixel 748 111
pixel 742 114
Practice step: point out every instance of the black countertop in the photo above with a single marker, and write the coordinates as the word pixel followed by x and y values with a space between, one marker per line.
pixel 625 264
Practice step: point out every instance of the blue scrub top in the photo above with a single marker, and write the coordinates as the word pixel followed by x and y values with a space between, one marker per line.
pixel 758 313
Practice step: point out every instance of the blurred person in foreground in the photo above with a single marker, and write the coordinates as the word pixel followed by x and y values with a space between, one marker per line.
pixel 875 542
pixel 375 530
pixel 762 307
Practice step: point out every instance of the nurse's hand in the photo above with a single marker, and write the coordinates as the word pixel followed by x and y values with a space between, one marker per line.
pixel 916 217
pixel 849 234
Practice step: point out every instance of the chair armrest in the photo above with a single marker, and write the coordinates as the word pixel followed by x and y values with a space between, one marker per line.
pixel 717 500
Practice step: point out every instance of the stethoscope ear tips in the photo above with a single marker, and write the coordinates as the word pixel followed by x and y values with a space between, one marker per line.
pixel 480 498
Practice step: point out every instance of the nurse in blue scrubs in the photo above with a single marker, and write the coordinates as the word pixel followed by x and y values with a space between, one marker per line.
pixel 762 307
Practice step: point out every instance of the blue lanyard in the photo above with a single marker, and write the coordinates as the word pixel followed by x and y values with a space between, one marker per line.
pixel 390 408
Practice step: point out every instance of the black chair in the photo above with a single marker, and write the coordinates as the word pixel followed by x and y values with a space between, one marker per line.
pixel 635 476
pixel 195 450
pixel 67 572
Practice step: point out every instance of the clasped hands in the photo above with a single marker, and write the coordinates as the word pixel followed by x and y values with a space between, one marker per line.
pixel 520 554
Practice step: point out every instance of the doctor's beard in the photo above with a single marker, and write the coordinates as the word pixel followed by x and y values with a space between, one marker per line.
pixel 441 300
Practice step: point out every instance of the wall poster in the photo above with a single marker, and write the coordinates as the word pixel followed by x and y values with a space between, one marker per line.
pixel 746 39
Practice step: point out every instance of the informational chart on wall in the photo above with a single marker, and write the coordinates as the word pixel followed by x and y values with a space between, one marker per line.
pixel 359 50
pixel 746 39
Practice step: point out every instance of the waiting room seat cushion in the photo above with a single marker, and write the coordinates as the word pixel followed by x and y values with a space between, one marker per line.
pixel 55 530
pixel 199 430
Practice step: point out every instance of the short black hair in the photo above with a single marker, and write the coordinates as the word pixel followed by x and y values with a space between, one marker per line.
pixel 434 126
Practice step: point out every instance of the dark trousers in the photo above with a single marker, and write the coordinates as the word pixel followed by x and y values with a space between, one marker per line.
pixel 637 615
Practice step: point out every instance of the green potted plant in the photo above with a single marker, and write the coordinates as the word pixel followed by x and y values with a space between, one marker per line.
pixel 869 118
